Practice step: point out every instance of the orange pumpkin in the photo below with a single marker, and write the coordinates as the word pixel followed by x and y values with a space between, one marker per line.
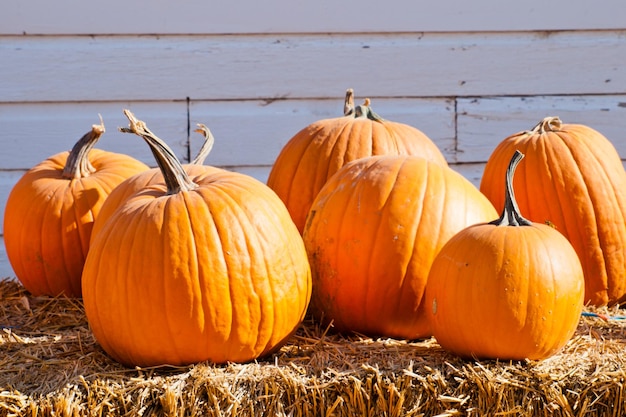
pixel 50 213
pixel 509 289
pixel 151 176
pixel 206 266
pixel 372 234
pixel 315 153
pixel 573 178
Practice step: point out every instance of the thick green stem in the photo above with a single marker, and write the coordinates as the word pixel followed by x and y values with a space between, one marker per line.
pixel 77 164
pixel 364 110
pixel 176 179
pixel 205 150
pixel 511 215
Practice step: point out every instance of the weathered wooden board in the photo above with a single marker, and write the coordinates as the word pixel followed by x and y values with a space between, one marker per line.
pixel 31 132
pixel 483 122
pixel 281 16
pixel 160 68
pixel 251 133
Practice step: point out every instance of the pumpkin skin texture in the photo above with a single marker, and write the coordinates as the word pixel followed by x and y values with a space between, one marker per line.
pixel 316 152
pixel 50 213
pixel 573 178
pixel 372 234
pixel 510 290
pixel 205 267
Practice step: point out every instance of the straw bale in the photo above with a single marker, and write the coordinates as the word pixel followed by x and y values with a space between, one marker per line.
pixel 52 366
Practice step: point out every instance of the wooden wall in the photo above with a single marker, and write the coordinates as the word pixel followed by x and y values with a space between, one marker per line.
pixel 467 74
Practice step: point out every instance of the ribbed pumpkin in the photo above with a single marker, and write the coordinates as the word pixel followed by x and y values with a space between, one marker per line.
pixel 572 177
pixel 50 213
pixel 316 152
pixel 143 179
pixel 204 267
pixel 510 289
pixel 372 234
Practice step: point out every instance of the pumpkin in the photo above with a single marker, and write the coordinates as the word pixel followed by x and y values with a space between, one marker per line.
pixel 372 234
pixel 510 289
pixel 206 266
pixel 573 178
pixel 143 179
pixel 316 152
pixel 50 213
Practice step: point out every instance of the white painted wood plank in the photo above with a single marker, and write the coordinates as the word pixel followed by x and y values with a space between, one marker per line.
pixel 33 132
pixel 8 179
pixel 249 133
pixel 322 16
pixel 157 68
pixel 473 172
pixel 6 271
pixel 484 122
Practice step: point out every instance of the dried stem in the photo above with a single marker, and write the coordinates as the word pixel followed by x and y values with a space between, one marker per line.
pixel 175 176
pixel 78 164
pixel 511 215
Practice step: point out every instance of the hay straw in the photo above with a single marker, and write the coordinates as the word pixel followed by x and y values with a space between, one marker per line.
pixel 52 366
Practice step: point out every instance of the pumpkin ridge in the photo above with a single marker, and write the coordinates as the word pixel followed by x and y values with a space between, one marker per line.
pixel 130 242
pixel 395 137
pixel 171 286
pixel 607 223
pixel 339 146
pixel 414 233
pixel 232 266
pixel 255 262
pixel 300 167
pixel 372 259
pixel 49 228
pixel 559 171
pixel 597 256
pixel 102 265
pixel 24 235
pixel 346 223
pixel 194 264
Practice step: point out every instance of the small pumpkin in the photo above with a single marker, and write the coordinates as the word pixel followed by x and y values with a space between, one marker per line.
pixel 143 179
pixel 574 178
pixel 206 266
pixel 316 152
pixel 372 234
pixel 510 289
pixel 50 213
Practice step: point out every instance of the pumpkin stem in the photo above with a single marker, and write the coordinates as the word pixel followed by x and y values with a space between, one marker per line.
pixel 364 110
pixel 348 104
pixel 548 124
pixel 176 179
pixel 511 215
pixel 205 150
pixel 78 164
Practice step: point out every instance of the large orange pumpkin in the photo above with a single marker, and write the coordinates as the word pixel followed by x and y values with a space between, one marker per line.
pixel 509 289
pixel 50 213
pixel 143 179
pixel 315 153
pixel 573 178
pixel 206 266
pixel 372 234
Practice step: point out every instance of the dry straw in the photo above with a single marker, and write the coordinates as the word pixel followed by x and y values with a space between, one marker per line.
pixel 52 366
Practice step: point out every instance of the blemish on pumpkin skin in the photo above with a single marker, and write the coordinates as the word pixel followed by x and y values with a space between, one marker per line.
pixel 434 306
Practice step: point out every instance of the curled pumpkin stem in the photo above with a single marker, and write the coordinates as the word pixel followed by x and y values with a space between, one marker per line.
pixel 205 150
pixel 511 215
pixel 176 178
pixel 78 164
pixel 548 124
